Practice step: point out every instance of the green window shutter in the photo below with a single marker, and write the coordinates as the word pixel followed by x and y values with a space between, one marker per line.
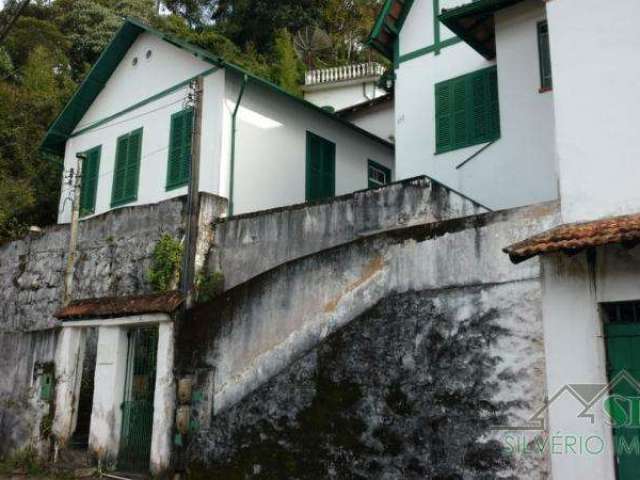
pixel 321 167
pixel 546 78
pixel 46 387
pixel 127 169
pixel 90 176
pixel 444 118
pixel 179 164
pixel 467 110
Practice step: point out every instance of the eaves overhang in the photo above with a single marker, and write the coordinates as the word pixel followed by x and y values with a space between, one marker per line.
pixel 475 24
pixel 63 126
pixel 388 25
pixel 572 238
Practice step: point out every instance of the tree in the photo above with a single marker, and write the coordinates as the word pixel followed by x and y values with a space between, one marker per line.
pixel 287 67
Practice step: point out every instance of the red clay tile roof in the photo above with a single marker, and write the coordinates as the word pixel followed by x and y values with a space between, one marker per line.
pixel 573 237
pixel 112 307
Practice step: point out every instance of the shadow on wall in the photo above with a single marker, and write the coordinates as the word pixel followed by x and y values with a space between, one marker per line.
pixel 407 390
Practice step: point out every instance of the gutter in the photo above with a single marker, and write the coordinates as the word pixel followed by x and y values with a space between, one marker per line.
pixel 234 129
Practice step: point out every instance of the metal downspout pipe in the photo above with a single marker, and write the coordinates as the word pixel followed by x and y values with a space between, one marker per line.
pixel 243 86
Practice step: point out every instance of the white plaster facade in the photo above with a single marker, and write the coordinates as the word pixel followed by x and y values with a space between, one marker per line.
pixel 520 167
pixel 271 130
pixel 377 118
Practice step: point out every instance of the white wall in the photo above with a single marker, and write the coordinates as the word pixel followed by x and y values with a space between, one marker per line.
pixel 271 149
pixel 129 85
pixel 594 51
pixel 379 120
pixel 341 95
pixel 519 169
pixel 574 343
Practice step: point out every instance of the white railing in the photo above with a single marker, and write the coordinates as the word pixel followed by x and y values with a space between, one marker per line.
pixel 341 74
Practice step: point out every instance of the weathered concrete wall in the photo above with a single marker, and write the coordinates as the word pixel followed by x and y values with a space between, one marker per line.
pixel 114 257
pixel 258 329
pixel 247 245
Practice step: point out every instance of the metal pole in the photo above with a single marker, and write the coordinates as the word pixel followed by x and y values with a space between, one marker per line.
pixel 234 130
pixel 73 236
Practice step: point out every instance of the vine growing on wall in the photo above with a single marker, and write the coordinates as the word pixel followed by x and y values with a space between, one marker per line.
pixel 165 269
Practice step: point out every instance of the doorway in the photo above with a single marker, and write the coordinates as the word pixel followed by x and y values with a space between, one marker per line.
pixel 137 405
pixel 80 438
pixel 622 336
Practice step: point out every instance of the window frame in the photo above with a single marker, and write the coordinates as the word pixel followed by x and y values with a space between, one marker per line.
pixel 126 199
pixel 544 48
pixel 490 106
pixel 386 171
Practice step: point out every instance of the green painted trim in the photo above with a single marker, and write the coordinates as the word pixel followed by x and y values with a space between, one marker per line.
pixel 436 27
pixel 381 23
pixel 377 27
pixel 449 42
pixel 142 103
pixel 234 131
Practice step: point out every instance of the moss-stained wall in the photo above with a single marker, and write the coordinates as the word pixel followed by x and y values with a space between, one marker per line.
pixel 409 390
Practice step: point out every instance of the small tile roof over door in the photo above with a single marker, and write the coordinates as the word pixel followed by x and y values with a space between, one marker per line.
pixel 574 237
pixel 118 307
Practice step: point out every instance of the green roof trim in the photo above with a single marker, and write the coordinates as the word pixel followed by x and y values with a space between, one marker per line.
pixel 475 24
pixel 65 124
pixel 388 26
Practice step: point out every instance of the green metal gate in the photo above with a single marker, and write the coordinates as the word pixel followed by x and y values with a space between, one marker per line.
pixel 137 407
pixel 622 332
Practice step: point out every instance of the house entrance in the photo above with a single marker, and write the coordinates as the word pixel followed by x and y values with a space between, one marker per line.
pixel 80 439
pixel 622 331
pixel 137 405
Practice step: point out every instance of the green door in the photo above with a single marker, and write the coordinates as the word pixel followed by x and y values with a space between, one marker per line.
pixel 137 407
pixel 623 355
pixel 321 168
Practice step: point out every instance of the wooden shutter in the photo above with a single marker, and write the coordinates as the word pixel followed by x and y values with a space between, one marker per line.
pixel 321 166
pixel 133 165
pixel 127 169
pixel 467 110
pixel 179 165
pixel 117 192
pixel 90 175
pixel 443 116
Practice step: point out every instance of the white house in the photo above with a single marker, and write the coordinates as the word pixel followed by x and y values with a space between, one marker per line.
pixel 260 146
pixel 376 116
pixel 520 101
pixel 476 116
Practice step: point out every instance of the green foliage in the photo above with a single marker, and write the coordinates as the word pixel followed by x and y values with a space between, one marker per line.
pixel 165 269
pixel 288 70
pixel 53 44
pixel 208 287
pixel 25 460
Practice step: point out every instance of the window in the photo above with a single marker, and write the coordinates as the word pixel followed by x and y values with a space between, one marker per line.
pixel 321 168
pixel 467 110
pixel 179 164
pixel 90 175
pixel 378 175
pixel 127 169
pixel 546 80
